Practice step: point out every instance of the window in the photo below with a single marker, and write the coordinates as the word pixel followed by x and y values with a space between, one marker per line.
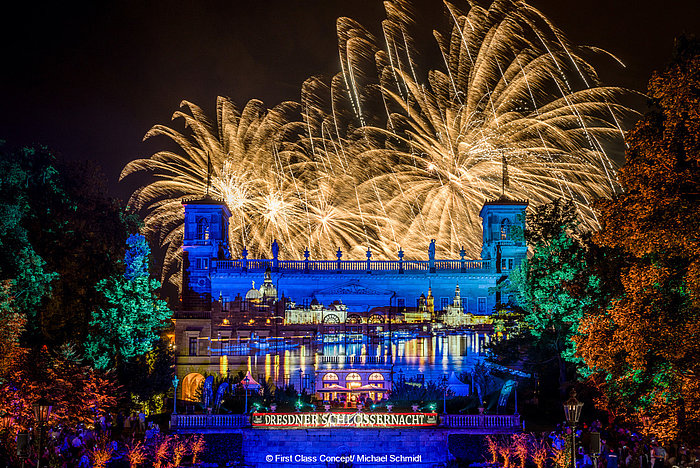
pixel 330 376
pixel 202 229
pixel 505 229
pixel 224 345
pixel 481 307
pixel 193 345
pixel 376 376
pixel 202 263
pixel 353 376
pixel 506 264
pixel 444 302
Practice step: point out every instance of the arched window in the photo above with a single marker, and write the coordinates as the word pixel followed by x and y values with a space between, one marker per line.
pixel 331 318
pixel 330 376
pixel 354 319
pixel 505 229
pixel 376 376
pixel 353 376
pixel 376 318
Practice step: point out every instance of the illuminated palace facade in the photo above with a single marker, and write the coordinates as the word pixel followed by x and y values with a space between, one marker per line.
pixel 326 325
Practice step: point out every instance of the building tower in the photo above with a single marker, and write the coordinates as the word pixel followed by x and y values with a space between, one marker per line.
pixel 205 239
pixel 503 222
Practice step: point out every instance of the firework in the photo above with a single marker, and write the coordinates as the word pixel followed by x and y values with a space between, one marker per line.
pixel 511 92
pixel 384 155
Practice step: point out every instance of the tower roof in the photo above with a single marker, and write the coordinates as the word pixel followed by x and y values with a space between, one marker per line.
pixel 506 200
pixel 503 200
pixel 207 200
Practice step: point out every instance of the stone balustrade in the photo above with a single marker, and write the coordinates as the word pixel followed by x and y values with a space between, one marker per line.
pixel 342 266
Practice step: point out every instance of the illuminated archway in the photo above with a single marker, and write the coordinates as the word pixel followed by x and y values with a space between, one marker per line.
pixel 376 318
pixel 354 319
pixel 331 318
pixel 375 376
pixel 190 384
pixel 330 376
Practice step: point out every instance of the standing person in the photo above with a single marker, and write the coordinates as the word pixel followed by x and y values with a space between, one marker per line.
pixel 127 426
pixel 658 455
pixel 611 459
pixel 142 422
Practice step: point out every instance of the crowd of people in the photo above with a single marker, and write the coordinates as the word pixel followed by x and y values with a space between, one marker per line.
pixel 620 447
pixel 75 447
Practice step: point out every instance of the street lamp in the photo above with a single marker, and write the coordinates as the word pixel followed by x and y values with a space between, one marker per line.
pixel 572 412
pixel 176 381
pixel 245 384
pixel 42 411
pixel 444 394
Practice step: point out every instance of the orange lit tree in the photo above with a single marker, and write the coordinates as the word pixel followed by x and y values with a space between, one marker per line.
pixel 644 350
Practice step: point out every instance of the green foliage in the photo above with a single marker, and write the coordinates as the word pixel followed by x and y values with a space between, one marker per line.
pixel 405 393
pixel 59 234
pixel 148 377
pixel 25 280
pixel 131 323
pixel 552 290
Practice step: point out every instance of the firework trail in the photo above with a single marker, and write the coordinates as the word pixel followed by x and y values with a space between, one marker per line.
pixel 386 155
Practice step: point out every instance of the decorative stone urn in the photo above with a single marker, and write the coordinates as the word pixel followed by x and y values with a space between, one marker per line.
pixel 273 408
pixel 327 408
pixel 389 408
pixel 414 408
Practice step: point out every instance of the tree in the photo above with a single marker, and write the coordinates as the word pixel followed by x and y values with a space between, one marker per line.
pixel 644 349
pixel 24 279
pixel 552 290
pixel 133 318
pixel 59 234
pixel 80 393
pixel 148 377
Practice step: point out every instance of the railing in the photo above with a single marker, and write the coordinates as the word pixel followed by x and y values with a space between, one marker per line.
pixel 349 265
pixel 191 314
pixel 353 359
pixel 203 421
pixel 486 421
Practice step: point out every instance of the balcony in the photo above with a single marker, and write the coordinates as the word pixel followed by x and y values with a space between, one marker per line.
pixel 349 266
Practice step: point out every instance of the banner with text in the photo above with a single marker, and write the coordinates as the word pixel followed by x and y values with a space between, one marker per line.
pixel 330 420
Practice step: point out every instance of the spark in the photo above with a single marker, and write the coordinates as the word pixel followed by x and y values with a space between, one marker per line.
pixel 384 154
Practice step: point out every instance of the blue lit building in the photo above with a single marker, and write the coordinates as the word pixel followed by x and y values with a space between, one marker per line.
pixel 228 304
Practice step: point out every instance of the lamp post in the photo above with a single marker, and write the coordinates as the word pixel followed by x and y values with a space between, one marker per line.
pixel 245 384
pixel 176 381
pixel 444 394
pixel 572 412
pixel 42 411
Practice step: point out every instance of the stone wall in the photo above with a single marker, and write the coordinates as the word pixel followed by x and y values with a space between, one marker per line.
pixel 296 448
pixel 381 448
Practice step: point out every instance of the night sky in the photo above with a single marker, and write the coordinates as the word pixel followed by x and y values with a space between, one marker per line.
pixel 89 80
